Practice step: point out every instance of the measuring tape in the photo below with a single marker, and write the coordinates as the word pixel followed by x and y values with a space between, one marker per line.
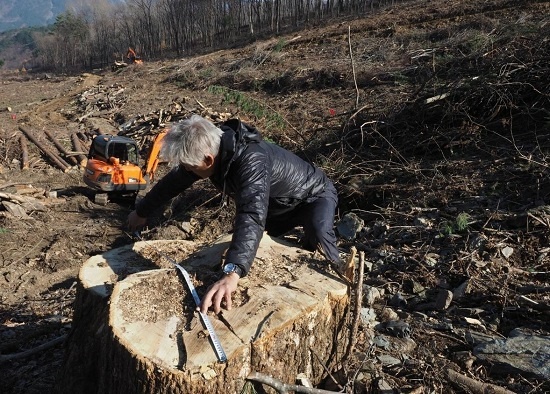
pixel 204 317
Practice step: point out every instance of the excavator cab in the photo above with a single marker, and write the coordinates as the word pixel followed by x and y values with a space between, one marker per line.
pixel 113 166
pixel 107 148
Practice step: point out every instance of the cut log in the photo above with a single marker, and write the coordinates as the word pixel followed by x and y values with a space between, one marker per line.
pixel 60 147
pixel 78 147
pixel 147 337
pixel 60 163
pixel 24 153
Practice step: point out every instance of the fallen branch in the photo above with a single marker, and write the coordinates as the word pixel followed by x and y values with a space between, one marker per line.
pixel 350 264
pixel 284 388
pixel 30 352
pixel 475 386
pixel 6 185
pixel 358 302
pixel 326 369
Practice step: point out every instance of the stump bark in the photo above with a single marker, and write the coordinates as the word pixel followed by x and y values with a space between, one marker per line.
pixel 136 330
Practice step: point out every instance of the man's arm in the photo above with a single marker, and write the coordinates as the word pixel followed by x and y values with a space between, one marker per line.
pixel 172 184
pixel 253 177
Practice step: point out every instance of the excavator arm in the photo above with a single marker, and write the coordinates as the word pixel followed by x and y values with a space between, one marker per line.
pixel 153 159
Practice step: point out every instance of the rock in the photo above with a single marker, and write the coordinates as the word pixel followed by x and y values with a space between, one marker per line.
pixel 368 317
pixel 461 290
pixel 476 338
pixel 417 288
pixel 384 387
pixel 431 259
pixel 379 229
pixel 443 300
pixel 382 342
pixel 15 209
pixel 464 358
pixel 388 361
pixel 398 301
pixel 370 295
pixel 403 346
pixel 520 352
pixel 507 251
pixel 186 227
pixel 388 314
pixel 473 322
pixel 477 242
pixel 350 225
pixel 399 329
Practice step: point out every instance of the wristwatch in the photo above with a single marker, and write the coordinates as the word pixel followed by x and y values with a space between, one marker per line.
pixel 230 268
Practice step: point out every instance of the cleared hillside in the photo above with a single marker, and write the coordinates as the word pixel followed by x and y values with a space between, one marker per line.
pixel 431 117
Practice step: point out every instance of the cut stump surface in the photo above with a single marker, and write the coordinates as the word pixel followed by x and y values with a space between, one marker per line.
pixel 287 318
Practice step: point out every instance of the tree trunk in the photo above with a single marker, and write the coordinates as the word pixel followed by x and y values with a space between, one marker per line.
pixel 62 164
pixel 136 330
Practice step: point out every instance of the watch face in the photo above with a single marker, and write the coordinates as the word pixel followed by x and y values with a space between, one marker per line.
pixel 228 268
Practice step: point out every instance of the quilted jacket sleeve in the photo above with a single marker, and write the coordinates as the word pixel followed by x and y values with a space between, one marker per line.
pixel 172 184
pixel 251 175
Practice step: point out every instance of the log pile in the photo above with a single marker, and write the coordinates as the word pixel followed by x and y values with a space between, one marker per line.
pixel 51 148
pixel 105 102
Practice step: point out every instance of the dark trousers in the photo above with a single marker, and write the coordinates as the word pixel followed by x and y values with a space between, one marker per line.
pixel 317 219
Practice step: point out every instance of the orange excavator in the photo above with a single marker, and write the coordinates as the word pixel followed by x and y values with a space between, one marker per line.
pixel 113 166
pixel 132 57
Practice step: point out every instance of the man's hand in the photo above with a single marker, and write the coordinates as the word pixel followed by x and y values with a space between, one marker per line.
pixel 135 222
pixel 220 291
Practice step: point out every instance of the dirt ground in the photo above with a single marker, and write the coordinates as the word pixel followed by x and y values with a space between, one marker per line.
pixel 449 191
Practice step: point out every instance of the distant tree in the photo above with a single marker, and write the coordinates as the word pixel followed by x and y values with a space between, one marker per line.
pixel 94 32
pixel 65 46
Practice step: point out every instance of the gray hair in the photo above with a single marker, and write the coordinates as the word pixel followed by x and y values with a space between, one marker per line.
pixel 190 140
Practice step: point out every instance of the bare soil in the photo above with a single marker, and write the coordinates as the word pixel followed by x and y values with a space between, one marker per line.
pixel 434 127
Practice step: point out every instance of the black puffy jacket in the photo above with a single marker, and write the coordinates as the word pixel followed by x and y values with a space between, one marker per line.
pixel 264 179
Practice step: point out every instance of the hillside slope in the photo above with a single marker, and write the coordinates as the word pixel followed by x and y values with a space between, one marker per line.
pixel 432 119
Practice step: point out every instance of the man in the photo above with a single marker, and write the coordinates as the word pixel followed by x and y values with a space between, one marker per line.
pixel 273 189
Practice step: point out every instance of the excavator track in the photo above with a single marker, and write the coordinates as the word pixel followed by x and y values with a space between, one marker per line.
pixel 101 198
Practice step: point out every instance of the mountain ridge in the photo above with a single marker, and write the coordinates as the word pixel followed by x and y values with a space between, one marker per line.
pixel 17 14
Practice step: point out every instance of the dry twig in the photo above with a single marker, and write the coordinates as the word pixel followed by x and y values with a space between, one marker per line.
pixel 353 68
pixel 476 386
pixel 284 388
pixel 30 352
pixel 358 299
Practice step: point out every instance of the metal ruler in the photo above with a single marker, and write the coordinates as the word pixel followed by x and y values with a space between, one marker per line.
pixel 204 317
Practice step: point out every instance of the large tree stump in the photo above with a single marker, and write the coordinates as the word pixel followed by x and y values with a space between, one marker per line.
pixel 136 329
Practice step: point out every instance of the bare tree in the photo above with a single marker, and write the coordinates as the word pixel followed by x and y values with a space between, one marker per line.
pixel 92 32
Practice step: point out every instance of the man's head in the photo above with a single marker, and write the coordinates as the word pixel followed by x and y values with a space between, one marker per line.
pixel 193 143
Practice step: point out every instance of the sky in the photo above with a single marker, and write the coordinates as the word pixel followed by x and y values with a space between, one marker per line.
pixel 24 13
pixel 15 14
